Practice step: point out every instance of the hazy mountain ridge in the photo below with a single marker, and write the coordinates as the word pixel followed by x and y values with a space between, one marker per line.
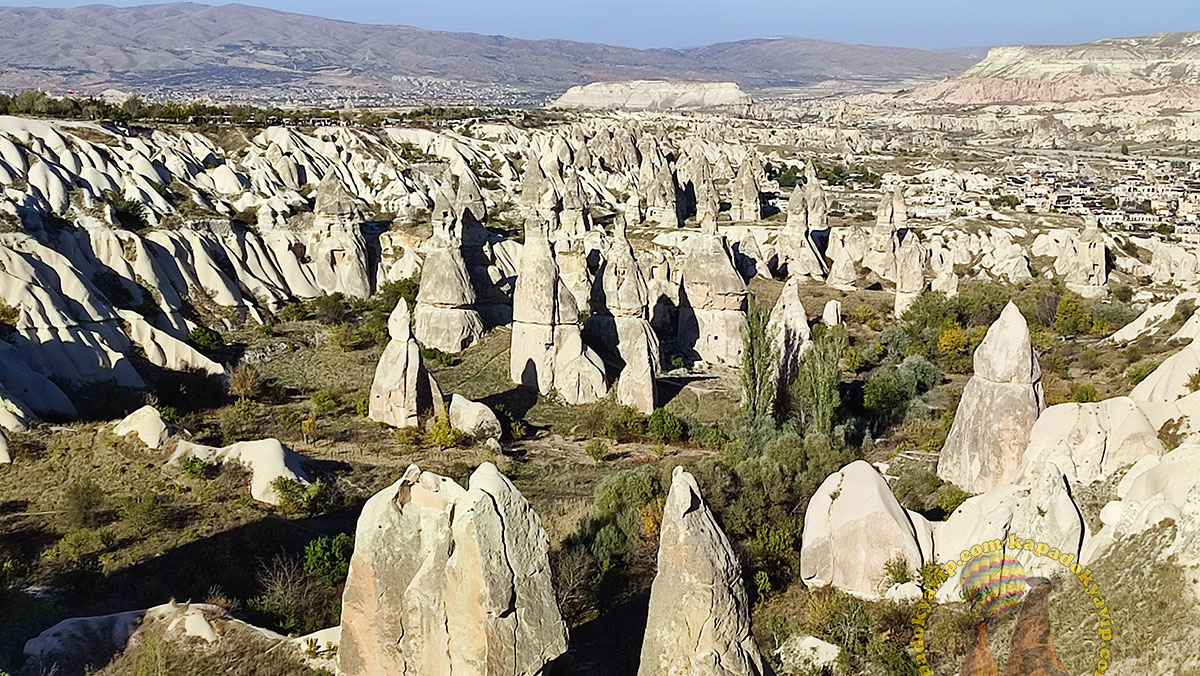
pixel 187 47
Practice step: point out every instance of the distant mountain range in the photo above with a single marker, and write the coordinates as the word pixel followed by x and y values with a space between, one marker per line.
pixel 239 51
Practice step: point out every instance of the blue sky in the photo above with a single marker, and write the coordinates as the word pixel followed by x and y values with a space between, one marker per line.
pixel 676 23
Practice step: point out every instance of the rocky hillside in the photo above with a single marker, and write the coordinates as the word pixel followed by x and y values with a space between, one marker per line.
pixel 236 50
pixel 1162 66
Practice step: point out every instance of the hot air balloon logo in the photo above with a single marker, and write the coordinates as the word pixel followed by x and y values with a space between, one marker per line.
pixel 994 584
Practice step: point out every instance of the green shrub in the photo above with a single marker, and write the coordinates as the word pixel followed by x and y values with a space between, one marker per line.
pixel 949 497
pixel 627 490
pixel 130 213
pixel 1085 393
pixel 440 433
pixel 390 293
pixel 925 373
pixel 621 423
pixel 206 339
pixel 82 503
pixel 296 498
pixel 1108 317
pixel 664 427
pixel 196 468
pixel 1139 371
pixel 295 312
pixel 1072 318
pixel 8 314
pixel 328 558
pixel 324 400
pixel 597 449
pixel 888 392
pixel 145 513
pixel 434 356
pixel 896 571
pixel 330 309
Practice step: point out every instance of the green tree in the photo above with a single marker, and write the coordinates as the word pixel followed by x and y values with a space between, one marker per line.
pixel 759 357
pixel 814 390
pixel 1124 148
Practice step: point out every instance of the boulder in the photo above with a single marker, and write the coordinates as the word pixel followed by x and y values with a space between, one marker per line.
pixel 853 526
pixel 831 315
pixel 699 616
pixel 473 418
pixel 999 406
pixel 800 655
pixel 446 581
pixel 402 388
pixel 147 424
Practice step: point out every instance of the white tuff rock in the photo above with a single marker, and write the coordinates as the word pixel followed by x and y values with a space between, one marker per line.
pixel 447 581
pixel 699 617
pixel 999 407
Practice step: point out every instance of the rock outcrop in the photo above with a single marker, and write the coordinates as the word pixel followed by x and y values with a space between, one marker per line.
pixel 1170 380
pixel 853 526
pixel 999 407
pixel 712 301
pixel 446 318
pixel 910 272
pixel 548 352
pixel 1083 263
pixel 890 218
pixel 653 95
pixel 147 424
pixel 620 325
pixel 788 324
pixel 266 459
pixel 1090 441
pixel 699 617
pixel 446 581
pixel 746 201
pixel 807 210
pixel 340 254
pixel 847 248
pixel 402 389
